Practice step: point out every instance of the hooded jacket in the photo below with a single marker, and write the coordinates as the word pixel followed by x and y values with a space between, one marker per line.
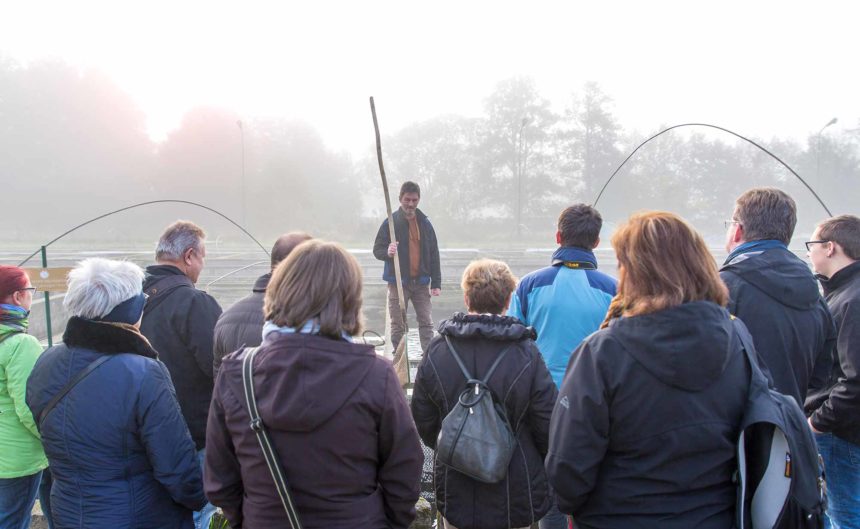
pixel 120 453
pixel 524 386
pixel 645 429
pixel 180 327
pixel 775 294
pixel 430 270
pixel 835 405
pixel 241 325
pixel 340 424
pixel 21 453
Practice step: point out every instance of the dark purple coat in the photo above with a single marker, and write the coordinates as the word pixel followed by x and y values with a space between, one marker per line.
pixel 340 424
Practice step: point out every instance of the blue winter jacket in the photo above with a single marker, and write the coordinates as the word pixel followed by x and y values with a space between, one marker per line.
pixel 565 302
pixel 120 452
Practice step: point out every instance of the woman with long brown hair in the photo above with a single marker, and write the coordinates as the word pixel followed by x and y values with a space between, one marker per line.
pixel 644 431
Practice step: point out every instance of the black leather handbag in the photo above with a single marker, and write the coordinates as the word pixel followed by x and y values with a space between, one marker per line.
pixel 476 437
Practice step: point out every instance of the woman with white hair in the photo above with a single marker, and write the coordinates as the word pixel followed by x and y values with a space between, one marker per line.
pixel 119 450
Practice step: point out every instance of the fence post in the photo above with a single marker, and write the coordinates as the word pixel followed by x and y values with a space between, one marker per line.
pixel 47 302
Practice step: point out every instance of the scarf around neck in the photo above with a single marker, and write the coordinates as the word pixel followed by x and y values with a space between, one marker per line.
pixel 310 327
pixel 13 319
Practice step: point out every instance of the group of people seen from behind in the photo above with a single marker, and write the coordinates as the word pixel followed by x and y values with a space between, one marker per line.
pixel 624 397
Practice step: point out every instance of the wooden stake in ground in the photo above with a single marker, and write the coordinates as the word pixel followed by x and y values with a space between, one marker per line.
pixel 401 356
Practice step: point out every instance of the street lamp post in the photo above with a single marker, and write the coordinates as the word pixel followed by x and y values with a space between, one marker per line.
pixel 242 133
pixel 818 150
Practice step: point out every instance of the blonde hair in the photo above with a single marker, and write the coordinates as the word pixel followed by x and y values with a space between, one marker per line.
pixel 488 285
pixel 663 262
pixel 317 280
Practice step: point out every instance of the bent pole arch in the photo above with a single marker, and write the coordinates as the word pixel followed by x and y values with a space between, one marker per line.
pixel 141 204
pixel 772 155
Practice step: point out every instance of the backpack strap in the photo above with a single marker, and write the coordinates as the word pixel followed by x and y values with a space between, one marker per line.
pixel 757 376
pixel 82 374
pixel 266 445
pixel 465 371
pixel 159 290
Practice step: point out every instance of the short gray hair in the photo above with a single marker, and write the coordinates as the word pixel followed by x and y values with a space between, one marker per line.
pixel 177 239
pixel 97 285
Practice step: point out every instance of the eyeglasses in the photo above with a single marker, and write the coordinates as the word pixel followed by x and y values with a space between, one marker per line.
pixel 31 289
pixel 809 248
pixel 729 223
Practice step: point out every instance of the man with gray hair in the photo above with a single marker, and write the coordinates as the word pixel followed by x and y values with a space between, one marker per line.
pixel 242 324
pixel 774 292
pixel 179 321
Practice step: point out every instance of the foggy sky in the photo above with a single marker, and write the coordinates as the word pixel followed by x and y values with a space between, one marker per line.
pixel 761 68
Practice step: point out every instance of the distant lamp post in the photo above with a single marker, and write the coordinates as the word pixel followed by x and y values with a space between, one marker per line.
pixel 242 133
pixel 521 167
pixel 818 150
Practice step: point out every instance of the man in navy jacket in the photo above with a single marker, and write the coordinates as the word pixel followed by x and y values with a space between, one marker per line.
pixel 774 293
pixel 417 250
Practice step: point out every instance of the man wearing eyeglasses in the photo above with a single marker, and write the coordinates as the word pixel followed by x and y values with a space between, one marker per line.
pixel 774 293
pixel 834 406
pixel 179 321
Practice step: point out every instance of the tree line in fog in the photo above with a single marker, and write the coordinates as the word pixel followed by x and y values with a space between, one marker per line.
pixel 75 145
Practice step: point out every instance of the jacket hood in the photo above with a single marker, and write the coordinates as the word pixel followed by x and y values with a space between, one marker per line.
pixel 301 380
pixel 489 326
pixel 779 274
pixel 686 347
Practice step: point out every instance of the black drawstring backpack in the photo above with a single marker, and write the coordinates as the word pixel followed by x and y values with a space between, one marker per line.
pixel 476 437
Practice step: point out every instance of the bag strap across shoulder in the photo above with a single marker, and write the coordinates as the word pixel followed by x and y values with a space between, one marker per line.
pixel 757 377
pixel 266 445
pixel 84 373
pixel 465 371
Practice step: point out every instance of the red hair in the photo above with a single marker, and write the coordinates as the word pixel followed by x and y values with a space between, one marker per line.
pixel 12 279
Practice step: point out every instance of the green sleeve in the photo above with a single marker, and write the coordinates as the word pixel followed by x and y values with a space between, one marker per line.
pixel 21 362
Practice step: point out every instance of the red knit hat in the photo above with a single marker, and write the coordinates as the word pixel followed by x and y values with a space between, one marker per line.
pixel 12 279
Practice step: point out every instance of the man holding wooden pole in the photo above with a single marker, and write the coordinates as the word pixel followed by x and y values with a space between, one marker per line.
pixel 417 251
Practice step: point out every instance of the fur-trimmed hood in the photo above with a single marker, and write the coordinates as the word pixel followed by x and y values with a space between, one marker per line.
pixel 107 337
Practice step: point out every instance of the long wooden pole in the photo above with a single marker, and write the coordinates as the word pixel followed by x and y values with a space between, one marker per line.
pixel 397 276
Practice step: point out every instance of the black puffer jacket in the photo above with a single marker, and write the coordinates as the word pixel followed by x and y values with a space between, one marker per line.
pixel 774 293
pixel 524 384
pixel 835 405
pixel 241 324
pixel 644 431
pixel 180 327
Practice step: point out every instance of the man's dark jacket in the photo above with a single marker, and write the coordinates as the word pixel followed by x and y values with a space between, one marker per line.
pixel 776 296
pixel 430 271
pixel 341 425
pixel 241 324
pixel 835 405
pixel 119 450
pixel 523 384
pixel 645 429
pixel 180 327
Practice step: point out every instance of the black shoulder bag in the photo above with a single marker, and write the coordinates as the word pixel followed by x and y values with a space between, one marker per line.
pixel 476 437
pixel 269 452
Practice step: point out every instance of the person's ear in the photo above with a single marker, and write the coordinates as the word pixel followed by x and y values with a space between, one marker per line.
pixel 558 237
pixel 189 255
pixel 596 243
pixel 739 233
pixel 466 301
